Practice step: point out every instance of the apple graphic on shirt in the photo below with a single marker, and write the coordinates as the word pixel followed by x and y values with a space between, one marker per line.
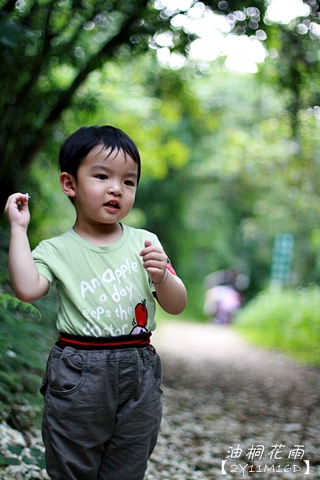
pixel 141 318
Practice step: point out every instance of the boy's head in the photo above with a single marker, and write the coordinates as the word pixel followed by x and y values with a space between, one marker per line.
pixel 82 141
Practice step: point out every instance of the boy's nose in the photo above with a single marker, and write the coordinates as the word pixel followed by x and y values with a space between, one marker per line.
pixel 115 188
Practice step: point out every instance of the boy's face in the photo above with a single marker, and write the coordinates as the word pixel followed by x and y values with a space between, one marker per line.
pixel 105 188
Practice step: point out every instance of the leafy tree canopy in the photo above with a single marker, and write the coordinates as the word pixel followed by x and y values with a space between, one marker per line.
pixel 49 47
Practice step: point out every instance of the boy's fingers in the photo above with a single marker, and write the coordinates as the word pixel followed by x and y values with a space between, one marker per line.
pixel 147 244
pixel 18 198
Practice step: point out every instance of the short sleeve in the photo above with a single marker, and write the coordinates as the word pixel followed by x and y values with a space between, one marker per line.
pixel 41 258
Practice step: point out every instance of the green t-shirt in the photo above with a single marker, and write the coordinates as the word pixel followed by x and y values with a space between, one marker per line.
pixel 102 291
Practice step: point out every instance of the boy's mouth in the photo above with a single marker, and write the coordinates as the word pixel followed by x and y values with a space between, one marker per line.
pixel 112 204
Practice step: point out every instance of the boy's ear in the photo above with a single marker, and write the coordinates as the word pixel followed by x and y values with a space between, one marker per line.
pixel 67 182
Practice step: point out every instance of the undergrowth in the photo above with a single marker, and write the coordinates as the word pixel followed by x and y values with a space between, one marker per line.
pixel 286 319
pixel 26 335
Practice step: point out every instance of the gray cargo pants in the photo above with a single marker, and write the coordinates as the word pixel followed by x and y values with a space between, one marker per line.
pixel 102 412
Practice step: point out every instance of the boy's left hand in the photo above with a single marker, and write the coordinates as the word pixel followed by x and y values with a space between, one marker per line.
pixel 154 261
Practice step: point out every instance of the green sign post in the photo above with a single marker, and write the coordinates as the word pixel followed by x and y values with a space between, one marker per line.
pixel 282 256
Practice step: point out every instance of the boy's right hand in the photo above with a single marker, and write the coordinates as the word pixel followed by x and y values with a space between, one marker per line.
pixel 17 210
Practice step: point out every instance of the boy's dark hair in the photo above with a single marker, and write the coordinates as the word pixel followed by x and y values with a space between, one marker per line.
pixel 79 144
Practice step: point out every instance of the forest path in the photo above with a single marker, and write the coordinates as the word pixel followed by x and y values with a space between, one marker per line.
pixel 223 396
pixel 207 342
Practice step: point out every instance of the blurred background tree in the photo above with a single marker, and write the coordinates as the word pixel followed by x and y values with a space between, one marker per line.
pixel 49 49
pixel 229 159
pixel 231 156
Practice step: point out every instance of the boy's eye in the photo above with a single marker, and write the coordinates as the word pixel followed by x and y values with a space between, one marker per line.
pixel 129 182
pixel 102 176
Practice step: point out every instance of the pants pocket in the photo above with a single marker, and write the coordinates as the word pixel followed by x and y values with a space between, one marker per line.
pixel 156 367
pixel 66 373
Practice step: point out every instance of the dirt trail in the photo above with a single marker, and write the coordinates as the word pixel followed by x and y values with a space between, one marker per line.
pixel 223 396
pixel 220 393
pixel 198 342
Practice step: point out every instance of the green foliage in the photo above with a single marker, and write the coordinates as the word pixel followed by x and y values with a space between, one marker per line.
pixel 26 335
pixel 229 161
pixel 21 345
pixel 285 319
pixel 49 49
pixel 220 174
pixel 12 304
pixel 16 455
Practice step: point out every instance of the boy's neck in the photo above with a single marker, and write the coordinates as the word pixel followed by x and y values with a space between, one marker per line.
pixel 99 235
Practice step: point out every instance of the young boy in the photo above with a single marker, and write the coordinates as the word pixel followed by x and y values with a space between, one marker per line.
pixel 103 401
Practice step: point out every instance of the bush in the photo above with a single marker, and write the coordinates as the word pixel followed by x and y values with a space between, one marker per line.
pixel 26 335
pixel 286 319
pixel 22 345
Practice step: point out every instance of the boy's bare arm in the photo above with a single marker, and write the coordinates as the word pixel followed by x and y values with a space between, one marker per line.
pixel 171 292
pixel 27 283
pixel 172 295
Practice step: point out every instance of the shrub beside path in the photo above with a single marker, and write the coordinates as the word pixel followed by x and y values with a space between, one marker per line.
pixel 224 397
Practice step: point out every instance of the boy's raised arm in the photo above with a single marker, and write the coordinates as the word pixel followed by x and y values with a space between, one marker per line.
pixel 172 295
pixel 27 283
pixel 171 292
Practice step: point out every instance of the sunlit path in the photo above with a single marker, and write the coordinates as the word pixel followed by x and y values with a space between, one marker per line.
pixel 231 408
pixel 208 342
